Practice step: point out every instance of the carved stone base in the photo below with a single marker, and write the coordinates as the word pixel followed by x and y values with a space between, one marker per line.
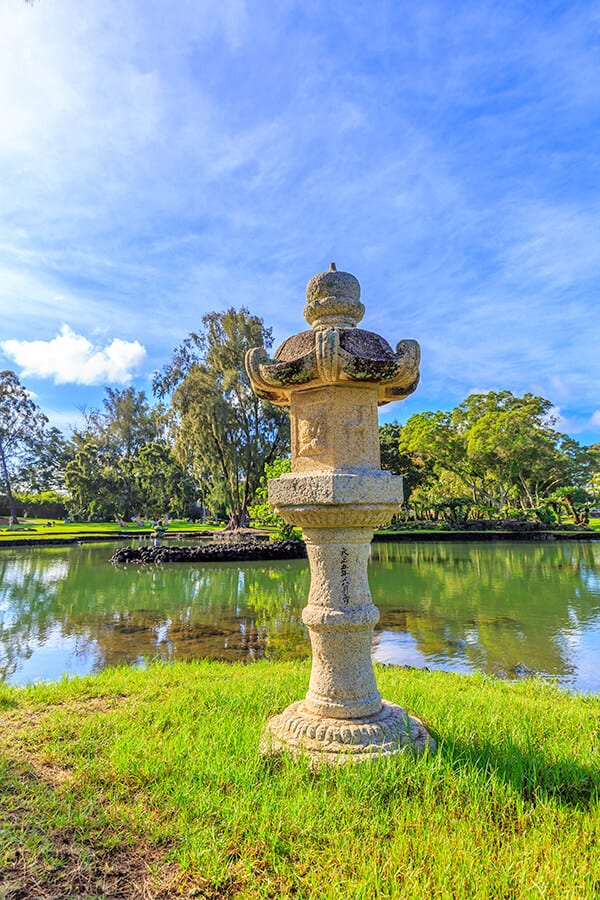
pixel 338 741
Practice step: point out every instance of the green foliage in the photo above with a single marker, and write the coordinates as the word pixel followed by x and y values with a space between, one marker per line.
pixel 574 500
pixel 496 449
pixel 261 512
pixel 22 432
pixel 122 465
pixel 414 470
pixel 45 505
pixel 45 470
pixel 224 433
pixel 163 483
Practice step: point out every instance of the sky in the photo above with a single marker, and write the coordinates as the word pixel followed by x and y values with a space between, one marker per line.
pixel 162 160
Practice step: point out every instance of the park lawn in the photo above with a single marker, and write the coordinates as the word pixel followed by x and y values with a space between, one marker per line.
pixel 148 783
pixel 46 529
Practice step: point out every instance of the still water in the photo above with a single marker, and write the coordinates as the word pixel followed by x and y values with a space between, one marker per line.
pixel 507 609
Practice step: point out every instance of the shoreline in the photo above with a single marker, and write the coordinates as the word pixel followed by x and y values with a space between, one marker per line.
pixel 380 537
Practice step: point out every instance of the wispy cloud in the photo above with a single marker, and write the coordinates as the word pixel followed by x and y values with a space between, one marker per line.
pixel 71 358
pixel 154 167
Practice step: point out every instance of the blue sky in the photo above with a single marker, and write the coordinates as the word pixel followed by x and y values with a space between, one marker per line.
pixel 161 160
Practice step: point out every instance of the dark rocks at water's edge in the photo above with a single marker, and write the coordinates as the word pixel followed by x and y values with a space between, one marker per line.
pixel 220 552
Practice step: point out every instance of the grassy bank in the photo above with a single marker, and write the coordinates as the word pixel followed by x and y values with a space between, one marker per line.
pixel 45 530
pixel 137 783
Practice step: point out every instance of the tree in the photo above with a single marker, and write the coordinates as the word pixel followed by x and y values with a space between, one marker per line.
pixel 414 470
pixel 104 476
pixel 164 485
pixel 593 486
pixel 126 422
pixel 46 470
pixel 92 480
pixel 261 512
pixel 22 432
pixel 224 432
pixel 575 500
pixel 500 450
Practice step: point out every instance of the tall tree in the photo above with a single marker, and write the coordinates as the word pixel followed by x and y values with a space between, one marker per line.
pixel 224 431
pixel 125 423
pixel 499 449
pixel 164 484
pixel 104 476
pixel 22 432
pixel 414 470
pixel 46 470
pixel 92 480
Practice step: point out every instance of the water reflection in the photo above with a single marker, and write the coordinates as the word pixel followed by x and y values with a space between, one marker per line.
pixel 509 609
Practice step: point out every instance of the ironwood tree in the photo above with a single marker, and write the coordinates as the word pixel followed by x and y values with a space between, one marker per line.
pixel 123 464
pixel 223 431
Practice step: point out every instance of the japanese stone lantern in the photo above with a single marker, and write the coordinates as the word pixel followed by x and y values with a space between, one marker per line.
pixel 333 378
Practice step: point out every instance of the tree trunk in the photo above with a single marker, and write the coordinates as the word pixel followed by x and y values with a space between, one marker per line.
pixel 238 518
pixel 13 520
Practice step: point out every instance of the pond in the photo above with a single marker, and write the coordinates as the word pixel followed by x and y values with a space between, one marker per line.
pixel 509 609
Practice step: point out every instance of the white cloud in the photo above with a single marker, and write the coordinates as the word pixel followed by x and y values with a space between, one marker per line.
pixel 70 358
pixel 595 420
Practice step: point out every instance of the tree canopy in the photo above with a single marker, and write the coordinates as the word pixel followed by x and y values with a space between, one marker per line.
pixel 497 450
pixel 22 432
pixel 223 432
pixel 123 465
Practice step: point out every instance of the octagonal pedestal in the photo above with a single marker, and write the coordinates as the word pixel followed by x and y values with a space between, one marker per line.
pixel 338 741
pixel 342 718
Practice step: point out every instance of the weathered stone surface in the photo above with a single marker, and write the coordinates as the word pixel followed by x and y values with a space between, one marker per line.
pixel 335 351
pixel 333 378
pixel 336 742
pixel 333 297
pixel 365 488
pixel 334 428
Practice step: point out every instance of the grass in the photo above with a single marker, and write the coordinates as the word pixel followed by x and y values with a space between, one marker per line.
pixel 46 529
pixel 148 784
pixel 55 530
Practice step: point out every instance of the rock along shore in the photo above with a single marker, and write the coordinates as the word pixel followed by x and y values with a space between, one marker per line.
pixel 218 552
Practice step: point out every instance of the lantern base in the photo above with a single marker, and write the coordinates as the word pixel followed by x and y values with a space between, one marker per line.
pixel 329 741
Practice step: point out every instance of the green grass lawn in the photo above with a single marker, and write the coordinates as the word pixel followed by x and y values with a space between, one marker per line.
pixel 148 783
pixel 45 529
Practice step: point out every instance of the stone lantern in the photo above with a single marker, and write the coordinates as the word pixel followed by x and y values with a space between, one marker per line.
pixel 333 378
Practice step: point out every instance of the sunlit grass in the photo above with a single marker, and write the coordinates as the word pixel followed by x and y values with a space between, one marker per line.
pixel 44 529
pixel 159 771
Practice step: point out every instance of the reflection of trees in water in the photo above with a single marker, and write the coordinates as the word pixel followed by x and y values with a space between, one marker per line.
pixel 278 598
pixel 494 606
pixel 28 589
pixel 118 615
pixel 225 612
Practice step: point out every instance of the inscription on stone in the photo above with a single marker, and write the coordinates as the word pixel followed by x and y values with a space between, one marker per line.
pixel 345 576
